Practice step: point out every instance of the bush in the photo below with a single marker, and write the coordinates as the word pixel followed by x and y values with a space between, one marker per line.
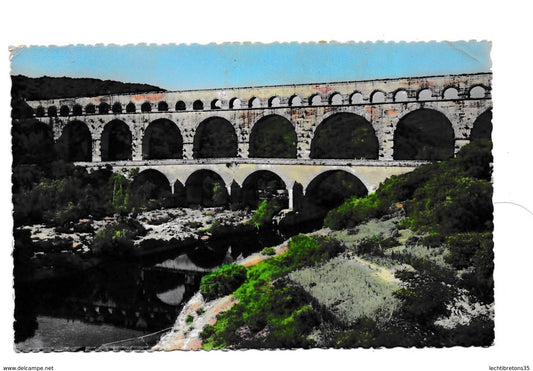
pixel 265 212
pixel 268 251
pixel 222 281
pixel 117 239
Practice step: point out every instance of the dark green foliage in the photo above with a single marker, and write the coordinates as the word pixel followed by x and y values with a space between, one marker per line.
pixel 266 210
pixel 189 320
pixel 222 281
pixel 375 245
pixel 363 334
pixel 117 239
pixel 268 251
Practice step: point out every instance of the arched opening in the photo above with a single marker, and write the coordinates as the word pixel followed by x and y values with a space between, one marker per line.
pixel 33 143
pixel 424 134
pixel 264 185
pixel 356 98
pixel 146 107
pixel 130 108
pixel 77 110
pixel 273 136
pixel 400 96
pixel 274 101
pixel 254 103
pixel 39 111
pixel 450 93
pixel 90 109
pixel 315 100
pixel 330 189
pixel 482 128
pixel 335 99
pixel 206 188
pixel 345 135
pixel 117 107
pixel 215 138
pixel 64 111
pixel 150 189
pixel 162 106
pixel 180 106
pixel 235 103
pixel 52 111
pixel 197 105
pixel 377 97
pixel 75 143
pixel 116 141
pixel 216 104
pixel 425 94
pixel 103 108
pixel 477 92
pixel 162 140
pixel 295 101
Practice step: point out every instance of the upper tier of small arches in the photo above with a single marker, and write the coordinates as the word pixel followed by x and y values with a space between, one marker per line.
pixel 378 96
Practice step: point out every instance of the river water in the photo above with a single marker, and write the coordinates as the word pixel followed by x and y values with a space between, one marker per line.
pixel 114 304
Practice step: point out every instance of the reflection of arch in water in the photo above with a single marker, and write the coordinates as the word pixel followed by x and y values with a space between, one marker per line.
pixel 209 256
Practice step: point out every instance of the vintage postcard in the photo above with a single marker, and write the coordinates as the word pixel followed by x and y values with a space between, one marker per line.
pixel 249 200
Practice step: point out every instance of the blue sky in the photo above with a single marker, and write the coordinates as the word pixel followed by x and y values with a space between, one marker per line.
pixel 176 67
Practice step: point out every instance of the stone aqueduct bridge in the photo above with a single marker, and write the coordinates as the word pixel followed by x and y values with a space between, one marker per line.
pixel 383 103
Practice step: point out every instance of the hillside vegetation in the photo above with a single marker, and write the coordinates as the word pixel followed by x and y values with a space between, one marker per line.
pixel 432 230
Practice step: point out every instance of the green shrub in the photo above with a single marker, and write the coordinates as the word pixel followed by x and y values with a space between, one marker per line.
pixel 117 238
pixel 268 251
pixel 200 311
pixel 222 281
pixel 265 212
pixel 189 320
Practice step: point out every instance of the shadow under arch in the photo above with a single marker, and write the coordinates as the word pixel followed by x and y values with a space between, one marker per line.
pixel 162 140
pixel 206 188
pixel 345 136
pixel 116 141
pixel 75 143
pixel 482 128
pixel 261 185
pixel 424 134
pixel 331 188
pixel 273 136
pixel 215 137
pixel 32 143
pixel 150 188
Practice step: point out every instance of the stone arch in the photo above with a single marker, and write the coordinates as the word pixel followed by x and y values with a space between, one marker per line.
pixel 130 108
pixel 378 96
pixel 254 102
pixel 356 98
pixel 477 92
pixel 450 93
pixel 146 107
pixel 198 105
pixel 401 96
pixel 162 106
pixel 235 103
pixel 215 137
pixel 315 100
pixel 207 188
pixel 273 136
pixel 39 111
pixel 64 110
pixel 75 143
pixel 150 184
pixel 116 108
pixel 329 188
pixel 77 110
pixel 295 101
pixel 274 101
pixel 424 134
pixel 162 140
pixel 116 144
pixel 52 111
pixel 344 135
pixel 335 99
pixel 90 109
pixel 264 184
pixel 425 94
pixel 216 104
pixel 103 108
pixel 180 106
pixel 482 128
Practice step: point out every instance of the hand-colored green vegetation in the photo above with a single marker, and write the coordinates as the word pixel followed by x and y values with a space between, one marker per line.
pixel 189 320
pixel 270 313
pixel 117 238
pixel 266 210
pixel 268 251
pixel 222 281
